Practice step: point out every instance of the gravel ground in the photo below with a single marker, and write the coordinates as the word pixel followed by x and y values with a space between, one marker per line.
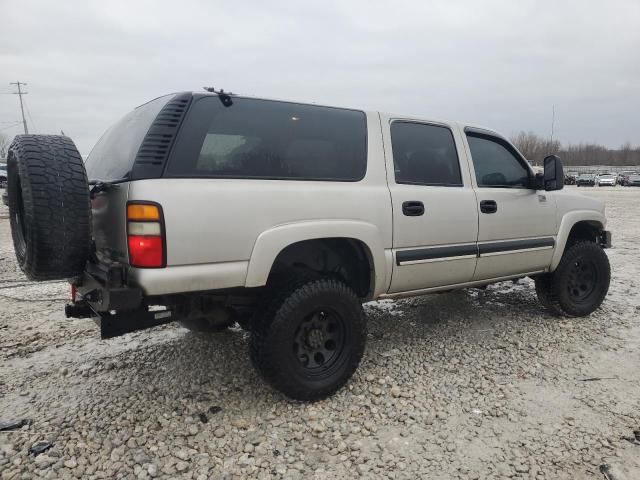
pixel 469 384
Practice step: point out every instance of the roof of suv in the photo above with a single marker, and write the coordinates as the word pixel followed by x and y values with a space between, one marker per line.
pixel 392 115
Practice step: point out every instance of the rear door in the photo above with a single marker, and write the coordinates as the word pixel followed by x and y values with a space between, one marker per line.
pixel 517 223
pixel 435 214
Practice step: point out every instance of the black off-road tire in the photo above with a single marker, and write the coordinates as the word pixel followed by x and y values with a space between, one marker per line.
pixel 545 294
pixel 49 206
pixel 579 284
pixel 323 306
pixel 280 284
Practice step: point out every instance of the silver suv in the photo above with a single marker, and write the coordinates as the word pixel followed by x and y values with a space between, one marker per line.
pixel 212 209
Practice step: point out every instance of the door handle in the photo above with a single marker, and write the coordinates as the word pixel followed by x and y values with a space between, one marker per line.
pixel 488 206
pixel 413 208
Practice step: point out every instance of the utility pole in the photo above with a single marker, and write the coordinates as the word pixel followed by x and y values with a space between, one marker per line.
pixel 20 93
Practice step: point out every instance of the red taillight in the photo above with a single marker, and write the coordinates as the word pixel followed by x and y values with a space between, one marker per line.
pixel 74 293
pixel 145 251
pixel 145 235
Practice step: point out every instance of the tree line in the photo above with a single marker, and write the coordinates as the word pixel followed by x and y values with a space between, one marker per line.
pixel 4 145
pixel 535 148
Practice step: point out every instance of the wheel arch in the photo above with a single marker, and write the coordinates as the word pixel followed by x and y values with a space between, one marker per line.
pixel 577 225
pixel 317 245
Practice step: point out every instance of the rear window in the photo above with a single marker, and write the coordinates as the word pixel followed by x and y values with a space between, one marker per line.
pixel 113 156
pixel 270 140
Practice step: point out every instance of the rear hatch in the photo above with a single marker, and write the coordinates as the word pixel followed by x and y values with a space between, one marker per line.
pixel 127 145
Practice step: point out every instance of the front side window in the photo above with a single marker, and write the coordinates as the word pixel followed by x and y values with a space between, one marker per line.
pixel 424 155
pixel 270 140
pixel 496 164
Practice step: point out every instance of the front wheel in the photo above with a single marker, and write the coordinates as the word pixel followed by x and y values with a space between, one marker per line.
pixel 580 283
pixel 311 339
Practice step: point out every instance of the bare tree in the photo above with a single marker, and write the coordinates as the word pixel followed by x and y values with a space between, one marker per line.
pixel 535 148
pixel 4 145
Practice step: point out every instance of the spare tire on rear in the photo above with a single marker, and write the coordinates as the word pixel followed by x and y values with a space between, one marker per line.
pixel 49 206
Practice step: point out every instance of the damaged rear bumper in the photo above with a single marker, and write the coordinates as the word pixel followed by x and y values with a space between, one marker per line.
pixel 102 293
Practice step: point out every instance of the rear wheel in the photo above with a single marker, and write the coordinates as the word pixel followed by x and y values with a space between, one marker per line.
pixel 49 210
pixel 580 283
pixel 311 340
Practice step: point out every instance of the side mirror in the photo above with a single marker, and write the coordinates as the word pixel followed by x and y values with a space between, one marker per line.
pixel 553 173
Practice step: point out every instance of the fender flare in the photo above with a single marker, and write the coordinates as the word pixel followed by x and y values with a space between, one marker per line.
pixel 273 241
pixel 567 223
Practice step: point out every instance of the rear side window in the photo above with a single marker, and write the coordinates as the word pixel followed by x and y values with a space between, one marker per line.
pixel 425 155
pixel 113 156
pixel 496 164
pixel 270 140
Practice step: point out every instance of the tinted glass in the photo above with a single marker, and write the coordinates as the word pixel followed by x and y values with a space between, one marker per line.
pixel 496 165
pixel 424 154
pixel 269 139
pixel 114 154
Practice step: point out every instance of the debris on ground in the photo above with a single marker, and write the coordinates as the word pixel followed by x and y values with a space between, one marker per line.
pixel 6 425
pixel 40 447
pixel 635 439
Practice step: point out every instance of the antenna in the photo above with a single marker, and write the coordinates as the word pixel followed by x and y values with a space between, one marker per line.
pixel 225 97
pixel 20 93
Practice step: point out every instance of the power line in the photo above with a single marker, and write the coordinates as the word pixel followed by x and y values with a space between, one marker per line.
pixel 10 126
pixel 33 124
pixel 20 93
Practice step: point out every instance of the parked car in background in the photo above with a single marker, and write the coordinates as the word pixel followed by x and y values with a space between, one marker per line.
pixel 3 176
pixel 633 180
pixel 586 179
pixel 623 178
pixel 570 178
pixel 607 179
pixel 620 178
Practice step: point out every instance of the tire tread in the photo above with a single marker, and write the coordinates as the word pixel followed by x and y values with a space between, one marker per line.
pixel 56 203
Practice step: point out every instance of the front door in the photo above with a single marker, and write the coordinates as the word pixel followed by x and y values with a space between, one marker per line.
pixel 517 223
pixel 435 213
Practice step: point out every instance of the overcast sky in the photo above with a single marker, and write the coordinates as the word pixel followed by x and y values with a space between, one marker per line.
pixel 501 64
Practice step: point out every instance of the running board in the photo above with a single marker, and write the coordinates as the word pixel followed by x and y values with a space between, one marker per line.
pixel 456 286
